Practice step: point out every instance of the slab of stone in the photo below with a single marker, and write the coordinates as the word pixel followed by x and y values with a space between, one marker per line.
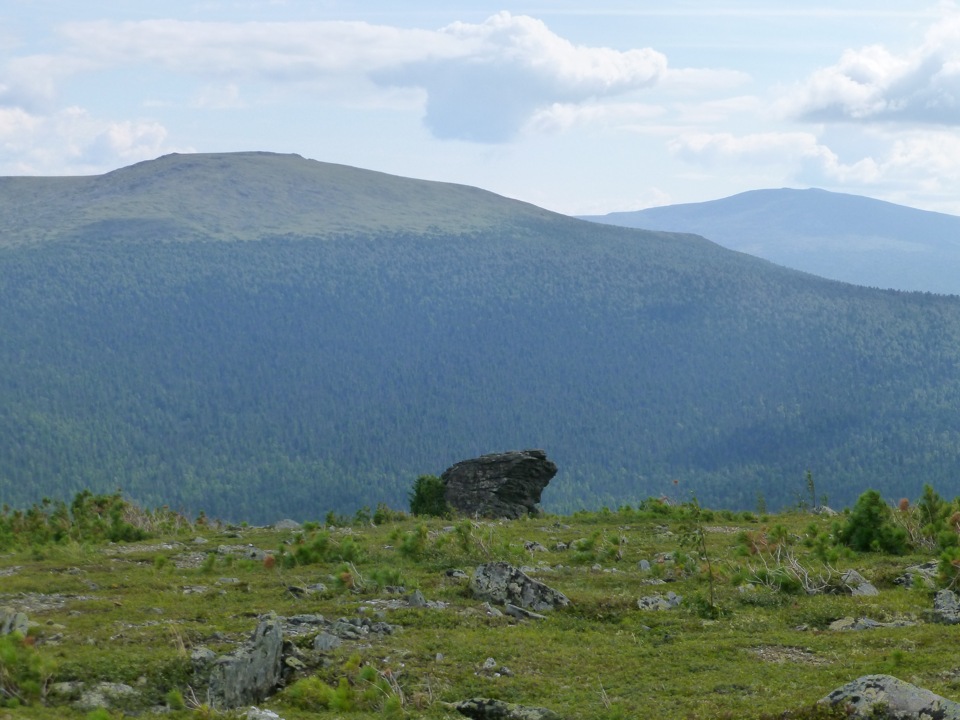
pixel 887 697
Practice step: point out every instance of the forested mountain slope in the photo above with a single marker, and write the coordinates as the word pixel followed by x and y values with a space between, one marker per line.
pixel 347 346
pixel 844 237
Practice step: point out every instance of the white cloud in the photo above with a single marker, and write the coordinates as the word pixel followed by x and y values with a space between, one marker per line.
pixel 559 117
pixel 874 84
pixel 509 68
pixel 797 152
pixel 73 141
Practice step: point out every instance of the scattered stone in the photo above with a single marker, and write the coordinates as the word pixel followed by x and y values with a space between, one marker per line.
pixel 228 581
pixel 325 642
pixel 416 599
pixel 501 583
pixel 865 623
pixel 660 602
pixel 946 607
pixel 491 611
pixel 194 589
pixel 501 485
pixel 532 546
pixel 200 541
pixel 884 696
pixel 489 664
pixel 256 713
pixel 105 695
pixel 560 546
pixel 521 613
pixel 643 565
pixel 12 621
pixel 250 673
pixel 248 551
pixel 858 584
pixel 489 709
pixel 286 524
pixel 924 575
pixel 456 574
pixel 825 511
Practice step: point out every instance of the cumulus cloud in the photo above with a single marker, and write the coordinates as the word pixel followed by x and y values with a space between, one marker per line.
pixel 797 152
pixel 483 82
pixel 509 68
pixel 73 140
pixel 873 84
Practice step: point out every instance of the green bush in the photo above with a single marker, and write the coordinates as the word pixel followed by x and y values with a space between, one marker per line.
pixel 870 527
pixel 428 497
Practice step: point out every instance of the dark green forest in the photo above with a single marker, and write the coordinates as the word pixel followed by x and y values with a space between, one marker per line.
pixel 295 374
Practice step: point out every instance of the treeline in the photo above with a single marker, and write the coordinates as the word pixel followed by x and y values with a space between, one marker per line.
pixel 292 376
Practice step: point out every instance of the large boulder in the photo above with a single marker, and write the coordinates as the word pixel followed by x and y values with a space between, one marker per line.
pixel 501 485
pixel 249 674
pixel 946 607
pixel 501 583
pixel 886 697
pixel 12 621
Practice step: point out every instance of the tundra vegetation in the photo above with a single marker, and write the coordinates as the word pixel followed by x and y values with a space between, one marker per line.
pixel 119 594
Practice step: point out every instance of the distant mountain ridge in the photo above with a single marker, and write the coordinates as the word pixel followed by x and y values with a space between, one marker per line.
pixel 240 196
pixel 835 235
pixel 263 336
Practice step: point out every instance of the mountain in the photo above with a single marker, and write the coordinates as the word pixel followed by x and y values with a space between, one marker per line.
pixel 844 237
pixel 262 336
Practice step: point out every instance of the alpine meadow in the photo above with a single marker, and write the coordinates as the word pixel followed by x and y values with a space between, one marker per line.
pixel 263 336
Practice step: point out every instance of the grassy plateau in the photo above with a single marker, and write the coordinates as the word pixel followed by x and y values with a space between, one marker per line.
pixel 746 641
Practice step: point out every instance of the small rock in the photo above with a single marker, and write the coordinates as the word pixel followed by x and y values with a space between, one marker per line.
pixel 532 546
pixel 489 664
pixel 256 713
pixel 660 602
pixel 946 607
pixel 456 574
pixel 286 524
pixel 325 642
pixel 416 599
pixel 924 575
pixel 522 613
pixel 857 584
pixel 643 565
pixel 489 709
pixel 12 621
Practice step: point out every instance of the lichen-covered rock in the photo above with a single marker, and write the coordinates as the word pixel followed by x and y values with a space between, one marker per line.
pixel 12 621
pixel 660 602
pixel 857 584
pixel 250 673
pixel 488 709
pixel 946 607
pixel 501 583
pixel 889 698
pixel 923 575
pixel 501 485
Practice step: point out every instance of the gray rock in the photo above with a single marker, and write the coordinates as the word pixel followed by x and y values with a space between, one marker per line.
pixel 533 546
pixel 488 709
pixel 858 584
pixel 201 658
pixel 522 613
pixel 924 575
pixel 286 524
pixel 501 485
pixel 643 565
pixel 416 599
pixel 884 696
pixel 865 623
pixel 501 583
pixel 256 713
pixel 105 695
pixel 456 574
pixel 325 642
pixel 946 607
pixel 12 621
pixel 250 673
pixel 660 602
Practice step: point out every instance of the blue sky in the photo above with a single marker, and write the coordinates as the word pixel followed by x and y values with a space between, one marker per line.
pixel 580 108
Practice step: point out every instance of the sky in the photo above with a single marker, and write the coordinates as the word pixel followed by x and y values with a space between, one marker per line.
pixel 582 108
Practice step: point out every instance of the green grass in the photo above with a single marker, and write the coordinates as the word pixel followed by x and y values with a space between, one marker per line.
pixel 124 617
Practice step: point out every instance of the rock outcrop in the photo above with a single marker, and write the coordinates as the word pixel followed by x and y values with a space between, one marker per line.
pixel 502 485
pixel 488 709
pixel 501 583
pixel 252 672
pixel 946 607
pixel 884 696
